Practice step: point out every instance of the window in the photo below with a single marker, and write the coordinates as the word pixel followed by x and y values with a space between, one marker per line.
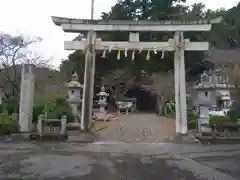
pixel 206 93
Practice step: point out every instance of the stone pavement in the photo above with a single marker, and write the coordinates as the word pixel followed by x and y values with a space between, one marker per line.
pixel 128 161
pixel 138 127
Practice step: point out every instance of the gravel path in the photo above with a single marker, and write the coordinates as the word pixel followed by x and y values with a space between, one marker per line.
pixel 138 128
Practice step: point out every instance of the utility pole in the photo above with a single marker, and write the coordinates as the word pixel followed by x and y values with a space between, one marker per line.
pixel 89 74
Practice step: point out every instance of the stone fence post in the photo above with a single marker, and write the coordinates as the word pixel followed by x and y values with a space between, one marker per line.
pixel 40 124
pixel 63 124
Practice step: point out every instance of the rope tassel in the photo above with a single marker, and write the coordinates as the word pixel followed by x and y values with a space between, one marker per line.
pixel 119 54
pixel 155 50
pixel 148 55
pixel 110 49
pixel 125 53
pixel 162 57
pixel 133 55
pixel 104 54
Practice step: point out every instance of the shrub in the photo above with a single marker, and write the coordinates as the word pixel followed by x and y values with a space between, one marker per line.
pixel 191 115
pixel 1 108
pixel 12 106
pixel 37 110
pixel 59 107
pixel 192 124
pixel 234 115
pixel 218 119
pixel 7 125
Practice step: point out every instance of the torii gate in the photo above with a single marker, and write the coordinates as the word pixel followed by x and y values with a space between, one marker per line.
pixel 178 45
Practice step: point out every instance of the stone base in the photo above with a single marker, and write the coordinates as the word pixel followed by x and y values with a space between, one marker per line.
pixel 15 137
pixel 83 138
pixel 73 126
pixel 49 137
pixel 218 140
pixel 182 138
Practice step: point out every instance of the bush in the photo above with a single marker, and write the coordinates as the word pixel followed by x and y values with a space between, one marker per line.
pixel 12 106
pixel 234 115
pixel 57 108
pixel 7 125
pixel 37 110
pixel 1 108
pixel 191 115
pixel 192 124
pixel 218 119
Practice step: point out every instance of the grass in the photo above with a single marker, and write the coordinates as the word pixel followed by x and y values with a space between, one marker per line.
pixel 98 126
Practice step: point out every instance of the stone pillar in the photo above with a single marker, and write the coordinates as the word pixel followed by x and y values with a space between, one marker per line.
pixel 63 125
pixel 40 124
pixel 26 98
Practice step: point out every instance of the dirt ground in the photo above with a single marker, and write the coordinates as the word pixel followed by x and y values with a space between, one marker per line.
pixel 137 127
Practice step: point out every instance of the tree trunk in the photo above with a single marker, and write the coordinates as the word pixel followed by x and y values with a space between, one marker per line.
pixel 159 105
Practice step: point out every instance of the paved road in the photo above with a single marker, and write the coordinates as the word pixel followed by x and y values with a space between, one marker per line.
pixel 139 128
pixel 107 161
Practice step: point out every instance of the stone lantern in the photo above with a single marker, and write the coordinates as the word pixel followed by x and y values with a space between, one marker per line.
pixel 75 97
pixel 102 102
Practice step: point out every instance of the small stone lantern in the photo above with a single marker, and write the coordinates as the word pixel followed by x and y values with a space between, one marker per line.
pixel 75 96
pixel 102 102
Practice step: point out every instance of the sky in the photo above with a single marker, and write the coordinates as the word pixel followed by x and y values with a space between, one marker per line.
pixel 33 18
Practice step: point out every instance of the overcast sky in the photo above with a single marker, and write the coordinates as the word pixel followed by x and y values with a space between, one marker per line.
pixel 33 18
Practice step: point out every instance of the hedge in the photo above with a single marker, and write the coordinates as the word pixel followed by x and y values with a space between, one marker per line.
pixel 7 125
pixel 218 119
pixel 192 124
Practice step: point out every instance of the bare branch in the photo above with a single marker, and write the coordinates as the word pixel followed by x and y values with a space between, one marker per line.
pixel 14 51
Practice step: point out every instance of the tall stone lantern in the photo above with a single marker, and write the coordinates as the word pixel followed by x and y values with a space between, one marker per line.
pixel 102 102
pixel 75 98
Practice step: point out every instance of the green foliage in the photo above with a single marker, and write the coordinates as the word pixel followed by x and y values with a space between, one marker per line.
pixel 7 125
pixel 37 110
pixel 169 109
pixel 192 119
pixel 233 114
pixel 12 106
pixel 1 108
pixel 191 115
pixel 192 124
pixel 74 63
pixel 218 119
pixel 58 108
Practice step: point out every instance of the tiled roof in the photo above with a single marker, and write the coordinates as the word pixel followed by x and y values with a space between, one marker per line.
pixel 224 56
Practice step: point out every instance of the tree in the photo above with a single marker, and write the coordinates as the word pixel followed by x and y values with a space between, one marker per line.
pixel 161 85
pixel 14 51
pixel 74 63
pixel 223 35
pixel 120 79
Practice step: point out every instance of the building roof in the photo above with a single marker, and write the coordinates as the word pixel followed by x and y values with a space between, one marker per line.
pixel 218 56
